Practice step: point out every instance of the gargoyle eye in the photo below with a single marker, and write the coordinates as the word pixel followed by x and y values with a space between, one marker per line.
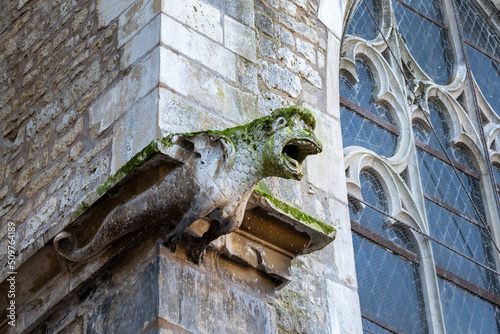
pixel 279 123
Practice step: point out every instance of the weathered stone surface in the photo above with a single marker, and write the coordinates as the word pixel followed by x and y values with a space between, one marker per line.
pixel 112 105
pixel 264 23
pixel 198 15
pixel 307 50
pixel 130 309
pixel 135 130
pixel 63 143
pixel 247 75
pixel 267 48
pixel 287 38
pixel 241 10
pixel 198 47
pixel 178 114
pixel 205 88
pixel 299 65
pixel 240 39
pixel 197 302
pixel 108 10
pixel 299 27
pixel 142 43
pixel 135 19
pixel 276 77
pixel 339 312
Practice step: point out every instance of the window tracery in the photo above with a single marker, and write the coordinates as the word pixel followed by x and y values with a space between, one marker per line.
pixel 450 195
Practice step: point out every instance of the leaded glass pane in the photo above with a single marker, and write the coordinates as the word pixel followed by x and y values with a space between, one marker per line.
pixel 486 71
pixel 373 193
pixel 371 328
pixel 466 313
pixel 440 181
pixel 466 238
pixel 363 92
pixel 476 29
pixel 358 131
pixel 389 287
pixel 430 8
pixel 361 23
pixel 436 57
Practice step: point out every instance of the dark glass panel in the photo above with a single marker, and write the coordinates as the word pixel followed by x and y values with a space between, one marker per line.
pixel 436 57
pixel 372 328
pixel 373 193
pixel 430 8
pixel 466 313
pixel 486 71
pixel 440 181
pixel 476 29
pixel 466 238
pixel 358 131
pixel 361 23
pixel 364 91
pixel 389 287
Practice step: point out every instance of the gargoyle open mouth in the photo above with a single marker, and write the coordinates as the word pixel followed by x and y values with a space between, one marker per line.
pixel 296 150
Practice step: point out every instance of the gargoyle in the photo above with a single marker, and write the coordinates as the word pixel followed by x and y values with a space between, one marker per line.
pixel 215 181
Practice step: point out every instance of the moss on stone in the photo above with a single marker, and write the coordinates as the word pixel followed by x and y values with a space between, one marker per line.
pixel 304 218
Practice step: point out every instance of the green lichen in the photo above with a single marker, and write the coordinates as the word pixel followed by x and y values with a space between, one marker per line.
pixel 136 161
pixel 316 224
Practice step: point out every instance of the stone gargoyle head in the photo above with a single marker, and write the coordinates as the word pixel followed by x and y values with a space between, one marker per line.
pixel 281 141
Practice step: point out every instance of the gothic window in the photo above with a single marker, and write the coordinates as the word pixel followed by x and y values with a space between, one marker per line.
pixel 365 122
pixel 422 22
pixel 428 160
pixel 386 266
pixel 483 51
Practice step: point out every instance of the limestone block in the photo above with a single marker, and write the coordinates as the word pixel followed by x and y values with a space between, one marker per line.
pixel 205 88
pixel 141 43
pixel 198 47
pixel 241 10
pixel 141 79
pixel 276 77
pixel 177 115
pixel 307 49
pixel 135 18
pixel 108 10
pixel 342 248
pixel 186 292
pixel 344 310
pixel 287 38
pixel 135 130
pixel 299 65
pixel 247 75
pixel 326 171
pixel 299 27
pixel 332 14
pixel 267 48
pixel 332 76
pixel 240 39
pixel 197 14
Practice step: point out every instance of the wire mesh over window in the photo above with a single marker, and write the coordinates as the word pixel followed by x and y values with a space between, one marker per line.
pixel 476 29
pixel 483 51
pixel 389 285
pixel 486 72
pixel 466 313
pixel 435 58
pixel 361 23
pixel 357 130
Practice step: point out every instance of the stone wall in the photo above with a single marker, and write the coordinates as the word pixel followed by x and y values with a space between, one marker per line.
pixel 55 61
pixel 87 84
